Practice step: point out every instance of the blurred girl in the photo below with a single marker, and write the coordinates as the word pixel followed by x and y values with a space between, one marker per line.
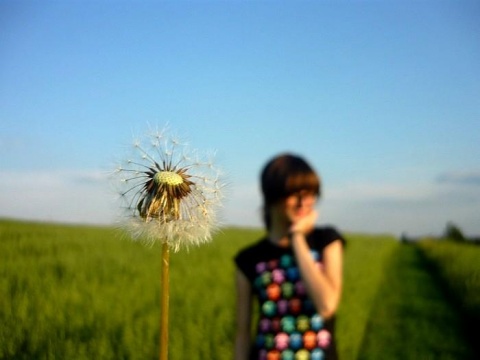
pixel 295 271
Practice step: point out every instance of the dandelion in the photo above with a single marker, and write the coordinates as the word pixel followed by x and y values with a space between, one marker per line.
pixel 171 196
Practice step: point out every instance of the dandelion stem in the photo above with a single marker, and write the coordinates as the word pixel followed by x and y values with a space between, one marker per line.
pixel 165 293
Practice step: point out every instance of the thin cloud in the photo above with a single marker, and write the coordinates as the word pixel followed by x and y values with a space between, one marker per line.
pixel 361 191
pixel 415 208
pixel 93 177
pixel 63 196
pixel 461 178
pixel 87 197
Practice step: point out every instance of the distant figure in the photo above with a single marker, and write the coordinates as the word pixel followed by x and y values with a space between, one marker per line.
pixel 295 271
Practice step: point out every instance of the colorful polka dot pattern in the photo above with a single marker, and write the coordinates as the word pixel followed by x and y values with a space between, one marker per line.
pixel 289 327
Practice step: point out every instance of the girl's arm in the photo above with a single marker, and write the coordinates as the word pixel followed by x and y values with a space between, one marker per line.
pixel 244 308
pixel 323 285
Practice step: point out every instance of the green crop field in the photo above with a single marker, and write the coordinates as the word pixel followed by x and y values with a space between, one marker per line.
pixel 77 292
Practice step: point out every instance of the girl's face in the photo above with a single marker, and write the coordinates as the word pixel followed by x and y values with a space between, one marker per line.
pixel 295 207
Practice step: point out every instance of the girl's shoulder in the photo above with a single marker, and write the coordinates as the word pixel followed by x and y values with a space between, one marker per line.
pixel 247 258
pixel 325 235
pixel 254 250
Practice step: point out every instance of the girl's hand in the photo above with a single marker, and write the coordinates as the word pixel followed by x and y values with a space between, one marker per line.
pixel 305 224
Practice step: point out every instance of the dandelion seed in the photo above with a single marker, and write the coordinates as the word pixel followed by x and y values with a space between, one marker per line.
pixel 171 194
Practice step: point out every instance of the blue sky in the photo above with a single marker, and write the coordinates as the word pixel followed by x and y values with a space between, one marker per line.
pixel 382 97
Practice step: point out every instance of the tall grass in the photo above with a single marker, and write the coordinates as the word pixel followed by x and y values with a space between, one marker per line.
pixel 411 318
pixel 457 264
pixel 203 297
pixel 365 259
pixel 87 293
pixel 75 292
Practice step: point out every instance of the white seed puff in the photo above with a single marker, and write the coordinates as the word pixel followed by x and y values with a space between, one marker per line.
pixel 169 193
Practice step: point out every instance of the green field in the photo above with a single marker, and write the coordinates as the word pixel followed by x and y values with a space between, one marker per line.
pixel 75 292
pixel 457 265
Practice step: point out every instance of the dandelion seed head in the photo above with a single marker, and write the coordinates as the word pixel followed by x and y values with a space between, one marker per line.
pixel 170 193
pixel 168 177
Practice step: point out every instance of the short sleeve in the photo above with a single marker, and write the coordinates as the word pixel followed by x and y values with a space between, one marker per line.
pixel 247 258
pixel 332 234
pixel 324 236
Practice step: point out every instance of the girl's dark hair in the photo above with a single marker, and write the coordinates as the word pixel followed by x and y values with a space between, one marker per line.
pixel 283 176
